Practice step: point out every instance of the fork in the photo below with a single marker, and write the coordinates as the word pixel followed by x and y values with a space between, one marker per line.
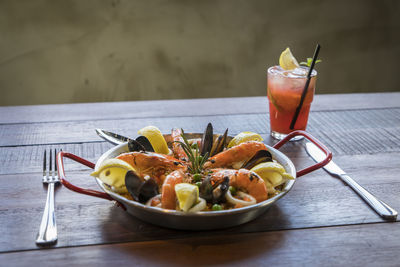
pixel 48 228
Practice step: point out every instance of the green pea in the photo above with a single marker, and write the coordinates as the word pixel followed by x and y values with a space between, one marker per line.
pixel 216 207
pixel 197 177
pixel 232 190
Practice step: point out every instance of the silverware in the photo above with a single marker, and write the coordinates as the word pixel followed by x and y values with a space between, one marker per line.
pixel 48 227
pixel 113 138
pixel 379 206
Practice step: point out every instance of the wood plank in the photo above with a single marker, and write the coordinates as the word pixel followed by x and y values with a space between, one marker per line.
pixel 26 159
pixel 347 133
pixel 186 107
pixel 364 131
pixel 356 245
pixel 316 200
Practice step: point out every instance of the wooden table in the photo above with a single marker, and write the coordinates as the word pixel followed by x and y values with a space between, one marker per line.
pixel 320 222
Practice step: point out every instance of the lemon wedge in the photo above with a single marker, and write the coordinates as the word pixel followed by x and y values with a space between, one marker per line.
pixel 244 137
pixel 112 172
pixel 267 167
pixel 156 139
pixel 272 172
pixel 287 61
pixel 187 195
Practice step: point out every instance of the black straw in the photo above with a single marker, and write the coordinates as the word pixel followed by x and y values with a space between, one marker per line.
pixel 304 93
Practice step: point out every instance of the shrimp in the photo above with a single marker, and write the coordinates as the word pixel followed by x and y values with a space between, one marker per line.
pixel 176 146
pixel 152 164
pixel 244 180
pixel 168 195
pixel 235 156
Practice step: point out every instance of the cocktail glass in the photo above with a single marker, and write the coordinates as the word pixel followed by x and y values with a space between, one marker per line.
pixel 284 93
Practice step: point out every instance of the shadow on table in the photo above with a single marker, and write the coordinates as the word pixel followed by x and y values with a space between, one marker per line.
pixel 163 245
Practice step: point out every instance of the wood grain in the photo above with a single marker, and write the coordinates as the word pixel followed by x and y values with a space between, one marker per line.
pixel 83 220
pixel 320 221
pixel 344 132
pixel 186 107
pixel 355 245
pixel 379 126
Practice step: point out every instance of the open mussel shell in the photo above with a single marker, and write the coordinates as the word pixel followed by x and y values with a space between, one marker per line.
pixel 133 182
pixel 219 144
pixel 148 190
pixel 220 191
pixel 145 143
pixel 140 190
pixel 213 193
pixel 206 189
pixel 207 140
pixel 259 157
pixel 134 145
pixel 140 144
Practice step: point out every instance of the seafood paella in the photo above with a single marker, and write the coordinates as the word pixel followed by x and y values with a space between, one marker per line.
pixel 207 174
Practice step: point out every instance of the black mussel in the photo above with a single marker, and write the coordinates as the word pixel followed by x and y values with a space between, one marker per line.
pixel 134 145
pixel 219 144
pixel 259 157
pixel 133 182
pixel 206 189
pixel 213 193
pixel 148 190
pixel 220 191
pixel 207 140
pixel 140 190
pixel 145 143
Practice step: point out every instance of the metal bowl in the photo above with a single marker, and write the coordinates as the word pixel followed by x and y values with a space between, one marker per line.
pixel 204 220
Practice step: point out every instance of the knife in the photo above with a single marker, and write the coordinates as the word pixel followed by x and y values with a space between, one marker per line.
pixel 379 206
pixel 113 138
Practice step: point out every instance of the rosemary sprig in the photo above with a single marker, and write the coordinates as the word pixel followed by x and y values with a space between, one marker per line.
pixel 195 158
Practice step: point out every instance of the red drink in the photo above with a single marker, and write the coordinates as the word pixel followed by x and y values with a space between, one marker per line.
pixel 284 92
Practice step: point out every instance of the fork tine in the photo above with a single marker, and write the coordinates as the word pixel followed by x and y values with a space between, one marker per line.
pixel 44 165
pixel 51 165
pixel 48 228
pixel 55 165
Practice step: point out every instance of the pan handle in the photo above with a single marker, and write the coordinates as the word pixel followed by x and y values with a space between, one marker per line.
pixel 321 146
pixel 61 174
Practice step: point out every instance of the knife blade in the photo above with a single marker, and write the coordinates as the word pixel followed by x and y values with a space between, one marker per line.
pixel 111 137
pixel 379 206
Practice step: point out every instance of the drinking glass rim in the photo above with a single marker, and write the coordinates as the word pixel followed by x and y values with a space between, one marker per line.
pixel 313 73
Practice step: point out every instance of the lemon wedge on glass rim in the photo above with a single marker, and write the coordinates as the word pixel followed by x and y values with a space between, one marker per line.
pixel 244 137
pixel 112 172
pixel 287 61
pixel 156 139
pixel 272 172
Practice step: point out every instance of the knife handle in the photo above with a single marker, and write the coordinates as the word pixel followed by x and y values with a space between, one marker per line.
pixel 379 206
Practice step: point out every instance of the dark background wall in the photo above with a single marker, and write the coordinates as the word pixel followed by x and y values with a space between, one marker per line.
pixel 85 51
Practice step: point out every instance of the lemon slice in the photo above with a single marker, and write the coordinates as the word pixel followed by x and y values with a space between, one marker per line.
pixel 287 61
pixel 267 167
pixel 272 172
pixel 275 178
pixel 187 194
pixel 112 172
pixel 156 139
pixel 273 100
pixel 287 176
pixel 244 137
